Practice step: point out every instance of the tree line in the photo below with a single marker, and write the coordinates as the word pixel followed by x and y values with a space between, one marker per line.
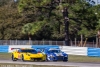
pixel 43 19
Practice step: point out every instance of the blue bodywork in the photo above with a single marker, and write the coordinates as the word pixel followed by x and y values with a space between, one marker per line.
pixel 54 54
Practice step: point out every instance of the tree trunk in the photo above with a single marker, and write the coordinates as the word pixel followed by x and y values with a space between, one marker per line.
pixel 29 39
pixel 81 40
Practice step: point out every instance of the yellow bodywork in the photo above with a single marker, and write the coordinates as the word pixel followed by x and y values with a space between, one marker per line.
pixel 28 56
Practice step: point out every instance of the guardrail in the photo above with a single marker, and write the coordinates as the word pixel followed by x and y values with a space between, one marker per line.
pixel 84 51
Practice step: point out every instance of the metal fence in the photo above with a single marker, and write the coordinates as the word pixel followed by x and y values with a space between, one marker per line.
pixel 30 42
pixel 36 42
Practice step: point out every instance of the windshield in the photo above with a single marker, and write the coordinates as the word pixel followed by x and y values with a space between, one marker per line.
pixel 41 49
pixel 54 51
pixel 29 51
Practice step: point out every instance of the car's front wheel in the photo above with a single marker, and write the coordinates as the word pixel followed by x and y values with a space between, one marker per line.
pixel 65 60
pixel 14 59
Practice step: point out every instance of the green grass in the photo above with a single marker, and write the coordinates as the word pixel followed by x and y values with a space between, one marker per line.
pixel 27 65
pixel 5 56
pixel 71 58
pixel 75 58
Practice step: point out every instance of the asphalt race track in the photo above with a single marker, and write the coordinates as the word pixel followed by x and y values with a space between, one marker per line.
pixel 54 63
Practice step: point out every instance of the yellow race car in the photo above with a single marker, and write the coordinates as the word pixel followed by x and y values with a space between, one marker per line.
pixel 28 55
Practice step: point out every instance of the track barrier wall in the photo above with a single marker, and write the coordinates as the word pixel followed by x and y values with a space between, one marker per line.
pixel 71 50
pixel 74 50
pixel 95 52
pixel 45 46
pixel 4 49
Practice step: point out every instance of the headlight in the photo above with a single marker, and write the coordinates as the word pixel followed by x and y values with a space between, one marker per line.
pixel 66 56
pixel 51 56
pixel 61 54
pixel 43 52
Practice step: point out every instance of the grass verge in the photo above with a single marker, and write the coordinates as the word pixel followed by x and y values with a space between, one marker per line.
pixel 71 58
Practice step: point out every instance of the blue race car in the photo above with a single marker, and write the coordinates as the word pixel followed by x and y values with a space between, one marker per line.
pixel 54 54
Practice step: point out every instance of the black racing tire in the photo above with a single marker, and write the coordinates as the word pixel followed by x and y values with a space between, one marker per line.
pixel 65 60
pixel 23 58
pixel 55 60
pixel 13 59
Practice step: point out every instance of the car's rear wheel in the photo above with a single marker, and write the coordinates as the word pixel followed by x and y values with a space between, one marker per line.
pixel 14 59
pixel 23 58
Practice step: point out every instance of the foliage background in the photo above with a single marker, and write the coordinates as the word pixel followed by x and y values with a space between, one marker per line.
pixel 43 19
